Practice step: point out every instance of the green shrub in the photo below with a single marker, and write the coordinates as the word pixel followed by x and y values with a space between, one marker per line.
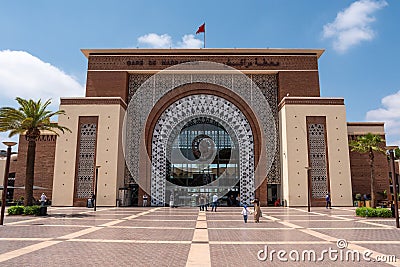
pixel 31 210
pixel 371 212
pixel 18 210
pixel 382 212
pixel 15 210
pixel 361 211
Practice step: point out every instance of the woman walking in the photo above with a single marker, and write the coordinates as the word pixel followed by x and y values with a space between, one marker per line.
pixel 257 211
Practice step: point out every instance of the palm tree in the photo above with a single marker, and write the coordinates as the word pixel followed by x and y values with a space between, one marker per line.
pixel 30 118
pixel 397 153
pixel 369 143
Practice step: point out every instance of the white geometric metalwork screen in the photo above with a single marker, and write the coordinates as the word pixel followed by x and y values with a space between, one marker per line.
pixel 267 83
pixel 317 146
pixel 142 100
pixel 87 148
pixel 194 106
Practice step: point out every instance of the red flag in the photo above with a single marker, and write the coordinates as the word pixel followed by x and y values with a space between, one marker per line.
pixel 202 28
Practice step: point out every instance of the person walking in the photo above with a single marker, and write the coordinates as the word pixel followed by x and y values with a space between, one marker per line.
pixel 214 203
pixel 171 200
pixel 245 213
pixel 203 203
pixel 42 199
pixel 145 200
pixel 328 201
pixel 257 211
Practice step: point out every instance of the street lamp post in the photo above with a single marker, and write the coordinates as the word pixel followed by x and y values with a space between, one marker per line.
pixel 95 188
pixel 5 181
pixel 394 180
pixel 308 188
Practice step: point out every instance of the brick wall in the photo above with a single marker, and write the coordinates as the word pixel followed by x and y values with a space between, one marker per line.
pixel 107 84
pixel 298 83
pixel 107 75
pixel 361 175
pixel 44 165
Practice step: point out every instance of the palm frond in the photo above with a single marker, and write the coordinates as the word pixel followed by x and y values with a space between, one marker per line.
pixel 365 143
pixel 15 132
pixel 31 116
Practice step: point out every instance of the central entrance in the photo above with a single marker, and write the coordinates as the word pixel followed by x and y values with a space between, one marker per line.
pixel 201 153
pixel 208 151
pixel 202 144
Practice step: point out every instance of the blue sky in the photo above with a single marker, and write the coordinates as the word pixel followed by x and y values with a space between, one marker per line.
pixel 40 43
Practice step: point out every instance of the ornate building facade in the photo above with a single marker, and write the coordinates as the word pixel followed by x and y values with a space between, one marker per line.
pixel 180 123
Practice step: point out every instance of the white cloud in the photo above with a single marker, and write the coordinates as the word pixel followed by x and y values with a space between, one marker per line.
pixel 189 41
pixel 390 114
pixel 154 40
pixel 26 76
pixel 352 25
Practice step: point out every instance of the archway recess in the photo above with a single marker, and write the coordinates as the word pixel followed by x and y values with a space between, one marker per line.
pixel 202 112
pixel 138 154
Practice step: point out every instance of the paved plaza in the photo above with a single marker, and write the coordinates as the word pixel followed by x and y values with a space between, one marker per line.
pixel 187 237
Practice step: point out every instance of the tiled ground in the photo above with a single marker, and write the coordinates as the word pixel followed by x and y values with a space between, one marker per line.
pixel 10 245
pixel 105 254
pixel 187 237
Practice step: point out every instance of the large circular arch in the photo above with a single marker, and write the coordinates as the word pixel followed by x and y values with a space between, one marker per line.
pixel 154 91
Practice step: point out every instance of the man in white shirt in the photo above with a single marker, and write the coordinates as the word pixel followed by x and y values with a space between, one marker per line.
pixel 214 202
pixel 43 199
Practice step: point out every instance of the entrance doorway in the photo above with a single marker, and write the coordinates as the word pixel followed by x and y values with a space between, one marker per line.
pixel 202 144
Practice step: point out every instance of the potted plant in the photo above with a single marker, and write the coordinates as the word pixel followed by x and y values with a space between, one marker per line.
pixel 358 200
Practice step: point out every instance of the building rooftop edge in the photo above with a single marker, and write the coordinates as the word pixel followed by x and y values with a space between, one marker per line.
pixel 204 51
pixel 306 100
pixel 93 97
pixel 366 123
pixel 93 100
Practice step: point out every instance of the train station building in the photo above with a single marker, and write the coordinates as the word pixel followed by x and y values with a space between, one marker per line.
pixel 176 124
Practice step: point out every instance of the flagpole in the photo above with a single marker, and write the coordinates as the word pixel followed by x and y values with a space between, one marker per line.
pixel 202 29
pixel 204 35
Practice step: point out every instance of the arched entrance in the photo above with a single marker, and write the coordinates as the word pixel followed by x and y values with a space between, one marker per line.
pixel 165 89
pixel 201 144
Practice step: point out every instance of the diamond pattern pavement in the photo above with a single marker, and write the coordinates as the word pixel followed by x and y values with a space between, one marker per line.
pixel 158 236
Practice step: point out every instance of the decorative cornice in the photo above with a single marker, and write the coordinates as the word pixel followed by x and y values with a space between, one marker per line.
pixel 206 51
pixel 94 101
pixel 133 62
pixel 362 128
pixel 310 101
pixel 366 123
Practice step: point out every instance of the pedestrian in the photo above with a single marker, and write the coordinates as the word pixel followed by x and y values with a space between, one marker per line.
pixel 393 209
pixel 245 213
pixel 171 200
pixel 277 202
pixel 328 201
pixel 42 199
pixel 203 203
pixel 93 199
pixel 214 202
pixel 257 211
pixel 145 200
